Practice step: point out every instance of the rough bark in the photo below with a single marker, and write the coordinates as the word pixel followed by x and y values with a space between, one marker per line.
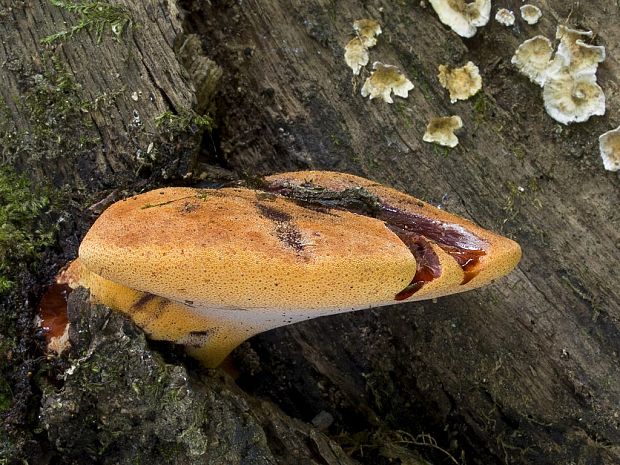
pixel 122 403
pixel 522 372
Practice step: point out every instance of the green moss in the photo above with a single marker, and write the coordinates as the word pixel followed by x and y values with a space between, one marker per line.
pixel 95 16
pixel 481 108
pixel 51 112
pixel 183 121
pixel 24 226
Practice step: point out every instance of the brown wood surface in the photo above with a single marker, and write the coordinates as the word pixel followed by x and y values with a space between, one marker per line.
pixel 524 371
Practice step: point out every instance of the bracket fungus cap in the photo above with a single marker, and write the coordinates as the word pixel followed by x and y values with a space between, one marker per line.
pixel 384 80
pixel 356 55
pixel 209 268
pixel 505 17
pixel 530 14
pixel 441 130
pixel 533 59
pixel 462 83
pixel 356 51
pixel 462 17
pixel 367 30
pixel 575 53
pixel 609 144
pixel 572 98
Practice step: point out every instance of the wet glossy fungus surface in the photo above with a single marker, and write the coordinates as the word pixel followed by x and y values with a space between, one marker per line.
pixel 53 310
pixel 416 231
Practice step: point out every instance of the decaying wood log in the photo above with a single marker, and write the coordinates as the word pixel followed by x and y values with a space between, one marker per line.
pixel 522 372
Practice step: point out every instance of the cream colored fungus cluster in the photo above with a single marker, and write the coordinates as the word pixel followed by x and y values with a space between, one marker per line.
pixel 567 75
pixel 384 80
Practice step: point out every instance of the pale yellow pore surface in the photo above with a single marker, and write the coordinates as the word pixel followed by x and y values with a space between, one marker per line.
pixel 208 336
pixel 502 254
pixel 239 250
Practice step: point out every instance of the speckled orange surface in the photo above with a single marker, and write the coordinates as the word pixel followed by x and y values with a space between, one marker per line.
pixel 210 268
pixel 502 256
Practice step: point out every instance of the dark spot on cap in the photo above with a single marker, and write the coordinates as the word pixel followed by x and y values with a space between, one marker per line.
pixel 285 229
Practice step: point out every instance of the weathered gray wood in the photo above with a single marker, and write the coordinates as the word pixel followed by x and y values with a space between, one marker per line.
pixel 85 106
pixel 524 371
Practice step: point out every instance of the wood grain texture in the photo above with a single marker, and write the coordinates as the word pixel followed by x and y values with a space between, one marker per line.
pixel 524 371
pixel 528 366
pixel 114 88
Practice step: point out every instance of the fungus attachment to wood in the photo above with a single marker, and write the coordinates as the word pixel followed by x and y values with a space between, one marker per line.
pixel 385 80
pixel 209 268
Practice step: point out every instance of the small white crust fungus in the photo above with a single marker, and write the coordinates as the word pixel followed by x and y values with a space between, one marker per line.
pixel 609 144
pixel 367 30
pixel 356 55
pixel 573 98
pixel 575 53
pixel 356 51
pixel 533 59
pixel 384 80
pixel 505 17
pixel 462 82
pixel 531 14
pixel 441 131
pixel 462 17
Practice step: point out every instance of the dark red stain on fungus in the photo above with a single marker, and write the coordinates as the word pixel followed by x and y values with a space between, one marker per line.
pixel 415 230
pixel 427 261
pixel 463 246
pixel 53 310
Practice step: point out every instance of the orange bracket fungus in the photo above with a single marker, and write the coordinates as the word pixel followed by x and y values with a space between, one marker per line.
pixel 208 268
